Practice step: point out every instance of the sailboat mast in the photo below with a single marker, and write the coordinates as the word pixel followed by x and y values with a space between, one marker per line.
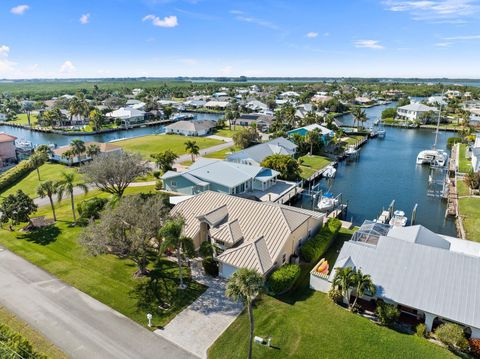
pixel 438 122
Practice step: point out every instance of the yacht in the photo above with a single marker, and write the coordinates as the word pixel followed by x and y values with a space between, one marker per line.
pixel 432 157
pixel 351 150
pixel 327 202
pixel 381 133
pixel 398 219
pixel 329 172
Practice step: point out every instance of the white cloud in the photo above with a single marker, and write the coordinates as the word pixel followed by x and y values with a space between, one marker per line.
pixel 462 38
pixel 6 66
pixel 242 16
pixel 312 34
pixel 167 21
pixel 449 11
pixel 443 44
pixel 368 44
pixel 19 10
pixel 326 34
pixel 85 19
pixel 67 67
pixel 4 50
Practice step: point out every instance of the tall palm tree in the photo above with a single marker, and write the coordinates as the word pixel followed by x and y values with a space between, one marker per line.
pixel 48 189
pixel 38 159
pixel 192 148
pixel 245 285
pixel 92 150
pixel 67 185
pixel 359 116
pixel 343 280
pixel 312 137
pixel 28 108
pixel 171 234
pixel 78 148
pixel 362 283
pixel 68 154
pixel 96 118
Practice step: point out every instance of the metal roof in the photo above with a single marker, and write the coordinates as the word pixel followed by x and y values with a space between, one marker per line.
pixel 261 151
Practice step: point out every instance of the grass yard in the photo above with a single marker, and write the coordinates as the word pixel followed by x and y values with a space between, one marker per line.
pixel 37 341
pixel 106 278
pixel 312 164
pixel 227 132
pixel 352 140
pixel 462 188
pixel 146 145
pixel 22 119
pixel 222 154
pixel 464 164
pixel 308 324
pixel 48 172
pixel 469 209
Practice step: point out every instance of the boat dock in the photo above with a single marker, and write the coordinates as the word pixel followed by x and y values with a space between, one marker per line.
pixel 320 172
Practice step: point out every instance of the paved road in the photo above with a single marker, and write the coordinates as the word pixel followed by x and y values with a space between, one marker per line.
pixel 78 324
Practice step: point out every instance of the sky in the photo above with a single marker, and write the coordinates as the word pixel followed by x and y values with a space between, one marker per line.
pixel 257 38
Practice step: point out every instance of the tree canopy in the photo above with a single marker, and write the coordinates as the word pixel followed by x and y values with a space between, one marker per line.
pixel 287 166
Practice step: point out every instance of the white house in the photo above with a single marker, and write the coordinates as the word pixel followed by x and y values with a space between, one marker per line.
pixel 256 105
pixel 191 128
pixel 246 233
pixel 414 111
pixel 431 277
pixel 127 115
pixel 217 104
pixel 476 154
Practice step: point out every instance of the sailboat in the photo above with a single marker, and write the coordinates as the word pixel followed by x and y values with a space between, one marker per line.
pixel 434 156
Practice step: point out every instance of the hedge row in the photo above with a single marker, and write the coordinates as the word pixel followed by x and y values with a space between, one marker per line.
pixel 283 278
pixel 11 343
pixel 15 174
pixel 316 247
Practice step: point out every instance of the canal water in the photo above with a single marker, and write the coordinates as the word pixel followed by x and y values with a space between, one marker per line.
pixel 386 171
pixel 38 138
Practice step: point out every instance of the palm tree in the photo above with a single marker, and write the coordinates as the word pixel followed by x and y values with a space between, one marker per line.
pixel 362 283
pixel 358 115
pixel 77 147
pixel 192 148
pixel 96 118
pixel 68 154
pixel 28 108
pixel 68 184
pixel 312 137
pixel 38 159
pixel 344 279
pixel 245 285
pixel 48 189
pixel 92 150
pixel 171 234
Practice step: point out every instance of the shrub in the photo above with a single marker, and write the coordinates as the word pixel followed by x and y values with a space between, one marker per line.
pixel 388 314
pixel 474 347
pixel 159 185
pixel 421 330
pixel 316 247
pixel 157 174
pixel 91 208
pixel 206 249
pixel 335 295
pixel 453 140
pixel 15 174
pixel 452 335
pixel 210 266
pixel 16 343
pixel 283 278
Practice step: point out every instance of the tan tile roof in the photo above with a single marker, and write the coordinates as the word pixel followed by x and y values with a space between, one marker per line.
pixel 104 147
pixel 4 137
pixel 272 221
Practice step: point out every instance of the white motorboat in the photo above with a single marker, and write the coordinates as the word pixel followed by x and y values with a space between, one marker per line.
pixel 329 172
pixel 399 219
pixel 432 157
pixel 327 202
pixel 381 133
pixel 351 150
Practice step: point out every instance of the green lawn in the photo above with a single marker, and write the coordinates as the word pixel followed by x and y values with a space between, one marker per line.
pixel 37 341
pixel 48 172
pixel 226 131
pixel 469 209
pixel 309 325
pixel 222 154
pixel 464 164
pixel 312 164
pixel 146 145
pixel 23 120
pixel 462 188
pixel 106 278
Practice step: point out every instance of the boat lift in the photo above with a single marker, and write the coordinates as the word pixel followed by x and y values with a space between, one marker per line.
pixel 438 182
pixel 314 194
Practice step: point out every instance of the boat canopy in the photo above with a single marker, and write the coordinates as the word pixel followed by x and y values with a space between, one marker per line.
pixel 328 195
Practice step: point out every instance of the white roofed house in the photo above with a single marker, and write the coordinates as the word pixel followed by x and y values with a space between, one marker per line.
pixel 262 121
pixel 191 128
pixel 414 111
pixel 428 276
pixel 256 105
pixel 241 239
pixel 128 115
pixel 476 154
pixel 255 155
pixel 217 104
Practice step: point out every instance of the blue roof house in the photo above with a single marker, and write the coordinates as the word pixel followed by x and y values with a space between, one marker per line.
pixel 326 133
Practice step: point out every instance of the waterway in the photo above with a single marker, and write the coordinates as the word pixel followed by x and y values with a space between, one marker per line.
pixel 386 171
pixel 38 138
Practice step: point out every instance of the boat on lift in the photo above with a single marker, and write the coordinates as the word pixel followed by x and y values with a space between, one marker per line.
pixel 327 202
pixel 351 151
pixel 330 171
pixel 399 219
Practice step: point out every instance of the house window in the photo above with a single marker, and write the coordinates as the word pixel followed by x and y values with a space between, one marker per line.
pixel 173 183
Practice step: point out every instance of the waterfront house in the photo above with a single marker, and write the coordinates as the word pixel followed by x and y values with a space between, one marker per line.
pixel 220 176
pixel 217 105
pixel 262 121
pixel 246 233
pixel 256 105
pixel 255 155
pixel 7 149
pixel 436 101
pixel 321 98
pixel 58 154
pixel 430 277
pixel 414 111
pixel 362 101
pixel 476 154
pixel 191 128
pixel 326 133
pixel 194 103
pixel 127 115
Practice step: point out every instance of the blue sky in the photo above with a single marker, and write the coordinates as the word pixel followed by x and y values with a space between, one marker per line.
pixel 366 38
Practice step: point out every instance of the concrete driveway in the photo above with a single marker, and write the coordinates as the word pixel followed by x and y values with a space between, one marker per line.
pixel 79 325
pixel 198 326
